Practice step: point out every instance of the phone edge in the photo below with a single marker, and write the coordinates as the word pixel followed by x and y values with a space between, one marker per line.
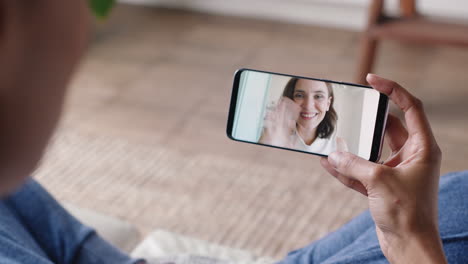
pixel 233 102
pixel 378 140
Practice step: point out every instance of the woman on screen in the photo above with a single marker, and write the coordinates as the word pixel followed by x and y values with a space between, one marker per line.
pixel 303 119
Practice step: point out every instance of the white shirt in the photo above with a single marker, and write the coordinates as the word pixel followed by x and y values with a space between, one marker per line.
pixel 323 146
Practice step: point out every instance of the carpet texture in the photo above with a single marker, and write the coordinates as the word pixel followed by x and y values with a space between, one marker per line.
pixel 267 210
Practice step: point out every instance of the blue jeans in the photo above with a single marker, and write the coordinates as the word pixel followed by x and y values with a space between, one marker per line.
pixel 34 228
pixel 356 242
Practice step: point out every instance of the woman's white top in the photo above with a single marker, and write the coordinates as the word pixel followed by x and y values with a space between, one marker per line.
pixel 323 146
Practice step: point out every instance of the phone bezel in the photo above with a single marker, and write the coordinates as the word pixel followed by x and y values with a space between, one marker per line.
pixel 381 118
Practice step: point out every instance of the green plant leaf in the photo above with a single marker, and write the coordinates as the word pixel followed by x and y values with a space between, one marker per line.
pixel 101 8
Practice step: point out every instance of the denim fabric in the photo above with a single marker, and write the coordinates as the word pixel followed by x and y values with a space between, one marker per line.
pixel 356 242
pixel 34 228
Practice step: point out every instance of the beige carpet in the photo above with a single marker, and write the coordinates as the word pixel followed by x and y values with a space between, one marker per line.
pixel 240 204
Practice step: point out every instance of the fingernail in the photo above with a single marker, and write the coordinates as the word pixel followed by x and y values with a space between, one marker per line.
pixel 334 159
pixel 370 77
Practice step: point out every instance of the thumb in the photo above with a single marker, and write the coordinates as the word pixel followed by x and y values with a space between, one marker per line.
pixel 354 167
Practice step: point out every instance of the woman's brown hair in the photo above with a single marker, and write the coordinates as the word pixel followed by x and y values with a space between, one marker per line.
pixel 327 126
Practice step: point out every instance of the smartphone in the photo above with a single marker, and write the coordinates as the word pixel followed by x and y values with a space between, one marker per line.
pixel 305 114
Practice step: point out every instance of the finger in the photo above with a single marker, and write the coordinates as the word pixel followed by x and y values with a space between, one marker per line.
pixel 396 134
pixel 269 115
pixel 355 167
pixel 280 104
pixel 282 108
pixel 393 161
pixel 416 119
pixel 292 107
pixel 268 125
pixel 348 182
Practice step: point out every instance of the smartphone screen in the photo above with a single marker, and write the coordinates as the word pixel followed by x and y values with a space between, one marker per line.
pixel 306 114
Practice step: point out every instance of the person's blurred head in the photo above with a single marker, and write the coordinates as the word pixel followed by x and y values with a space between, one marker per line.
pixel 41 42
pixel 316 101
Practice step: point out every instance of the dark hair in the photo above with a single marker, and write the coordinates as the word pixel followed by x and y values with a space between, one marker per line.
pixel 327 126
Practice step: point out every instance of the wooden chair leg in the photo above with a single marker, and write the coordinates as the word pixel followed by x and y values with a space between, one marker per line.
pixel 408 8
pixel 366 58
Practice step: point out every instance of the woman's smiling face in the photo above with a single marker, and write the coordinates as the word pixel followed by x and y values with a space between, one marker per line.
pixel 314 99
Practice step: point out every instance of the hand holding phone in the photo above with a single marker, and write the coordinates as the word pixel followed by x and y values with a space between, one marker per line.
pixel 403 190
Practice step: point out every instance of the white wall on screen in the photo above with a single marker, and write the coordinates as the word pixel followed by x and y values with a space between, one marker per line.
pixel 248 120
pixel 348 105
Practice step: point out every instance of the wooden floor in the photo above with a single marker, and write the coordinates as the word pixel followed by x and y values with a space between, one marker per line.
pixel 152 94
